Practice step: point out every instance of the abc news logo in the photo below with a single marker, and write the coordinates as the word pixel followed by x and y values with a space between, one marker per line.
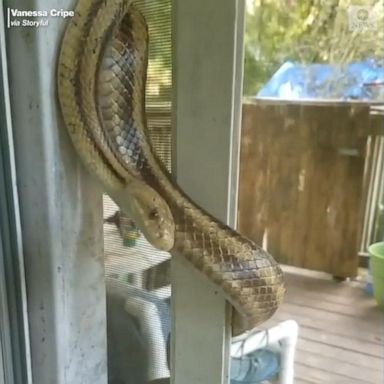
pixel 361 18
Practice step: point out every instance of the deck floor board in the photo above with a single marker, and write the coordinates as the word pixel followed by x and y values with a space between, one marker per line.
pixel 341 337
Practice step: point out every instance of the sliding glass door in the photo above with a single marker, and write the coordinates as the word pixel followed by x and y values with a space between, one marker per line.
pixel 13 326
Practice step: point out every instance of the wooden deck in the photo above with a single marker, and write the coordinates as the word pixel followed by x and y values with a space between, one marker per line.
pixel 341 337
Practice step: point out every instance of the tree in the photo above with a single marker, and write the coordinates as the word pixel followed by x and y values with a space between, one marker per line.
pixel 312 31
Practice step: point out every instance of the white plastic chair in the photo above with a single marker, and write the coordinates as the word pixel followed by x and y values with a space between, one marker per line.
pixel 281 338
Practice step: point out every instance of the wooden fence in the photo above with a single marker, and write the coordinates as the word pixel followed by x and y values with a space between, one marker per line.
pixel 301 181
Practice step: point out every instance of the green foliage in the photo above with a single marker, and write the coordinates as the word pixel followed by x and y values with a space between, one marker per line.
pixel 305 31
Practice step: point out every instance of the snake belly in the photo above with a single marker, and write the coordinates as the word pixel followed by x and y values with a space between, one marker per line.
pixel 101 88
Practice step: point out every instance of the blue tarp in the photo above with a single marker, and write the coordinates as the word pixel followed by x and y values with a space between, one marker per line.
pixel 363 80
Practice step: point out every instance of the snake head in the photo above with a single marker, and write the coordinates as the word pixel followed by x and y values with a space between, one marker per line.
pixel 150 213
pixel 153 217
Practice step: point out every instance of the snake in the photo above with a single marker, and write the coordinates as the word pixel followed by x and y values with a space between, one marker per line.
pixel 101 82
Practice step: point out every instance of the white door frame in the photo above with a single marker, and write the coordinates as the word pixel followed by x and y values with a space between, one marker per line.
pixel 61 214
pixel 207 83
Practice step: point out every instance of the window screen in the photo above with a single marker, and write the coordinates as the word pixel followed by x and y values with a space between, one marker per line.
pixel 137 275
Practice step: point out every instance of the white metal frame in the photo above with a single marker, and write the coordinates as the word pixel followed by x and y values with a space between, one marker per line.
pixel 13 369
pixel 61 215
pixel 208 62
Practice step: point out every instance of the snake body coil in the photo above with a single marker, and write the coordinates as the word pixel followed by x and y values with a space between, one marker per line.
pixel 101 87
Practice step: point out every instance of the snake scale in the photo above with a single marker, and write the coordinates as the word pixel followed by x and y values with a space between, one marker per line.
pixel 101 79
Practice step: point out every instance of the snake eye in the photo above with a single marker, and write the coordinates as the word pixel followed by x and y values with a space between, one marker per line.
pixel 153 214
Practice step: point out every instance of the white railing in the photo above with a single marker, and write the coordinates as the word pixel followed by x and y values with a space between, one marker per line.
pixel 374 185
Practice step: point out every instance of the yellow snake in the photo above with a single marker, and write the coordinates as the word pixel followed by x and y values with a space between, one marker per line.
pixel 101 78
